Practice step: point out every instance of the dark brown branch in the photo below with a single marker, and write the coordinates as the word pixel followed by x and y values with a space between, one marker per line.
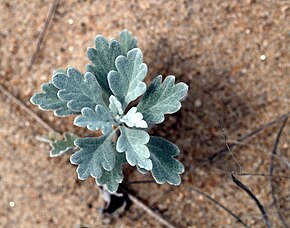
pixel 42 33
pixel 221 206
pixel 252 196
pixel 271 171
pixel 225 150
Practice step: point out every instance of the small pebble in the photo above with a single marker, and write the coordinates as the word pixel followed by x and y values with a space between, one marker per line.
pixel 248 31
pixel 70 48
pixel 11 204
pixel 263 57
pixel 197 103
pixel 70 21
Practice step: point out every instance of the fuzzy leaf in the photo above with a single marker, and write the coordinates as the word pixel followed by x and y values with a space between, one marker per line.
pixel 96 155
pixel 134 119
pixel 103 58
pixel 94 120
pixel 161 98
pixel 115 106
pixel 126 83
pixel 58 147
pixel 112 179
pixel 165 167
pixel 49 101
pixel 78 90
pixel 127 41
pixel 132 142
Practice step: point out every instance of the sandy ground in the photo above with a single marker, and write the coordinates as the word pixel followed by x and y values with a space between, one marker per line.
pixel 233 54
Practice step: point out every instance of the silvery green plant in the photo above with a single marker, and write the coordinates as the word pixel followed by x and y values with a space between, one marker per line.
pixel 100 98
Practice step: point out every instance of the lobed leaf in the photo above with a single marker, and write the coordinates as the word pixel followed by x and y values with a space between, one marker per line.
pixel 94 120
pixel 165 167
pixel 161 98
pixel 126 83
pixel 77 90
pixel 132 142
pixel 95 155
pixel 112 179
pixel 127 41
pixel 49 101
pixel 59 147
pixel 103 57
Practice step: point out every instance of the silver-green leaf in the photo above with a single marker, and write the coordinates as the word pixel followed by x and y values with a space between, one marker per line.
pixel 103 57
pixel 95 155
pixel 59 147
pixel 162 98
pixel 100 118
pixel 78 90
pixel 127 82
pixel 49 101
pixel 165 167
pixel 127 41
pixel 133 143
pixel 112 179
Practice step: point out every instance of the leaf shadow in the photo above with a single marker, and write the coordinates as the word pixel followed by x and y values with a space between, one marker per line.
pixel 215 101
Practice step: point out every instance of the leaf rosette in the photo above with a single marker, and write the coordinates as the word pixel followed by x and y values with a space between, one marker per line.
pixel 102 98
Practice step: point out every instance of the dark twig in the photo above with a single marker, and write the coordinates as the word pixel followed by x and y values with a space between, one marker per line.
pixel 148 210
pixel 26 109
pixel 252 196
pixel 271 171
pixel 42 33
pixel 141 182
pixel 225 150
pixel 220 205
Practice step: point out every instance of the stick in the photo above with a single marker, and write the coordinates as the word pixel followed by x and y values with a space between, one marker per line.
pixel 41 36
pixel 252 196
pixel 220 205
pixel 148 210
pixel 26 109
pixel 271 171
pixel 225 150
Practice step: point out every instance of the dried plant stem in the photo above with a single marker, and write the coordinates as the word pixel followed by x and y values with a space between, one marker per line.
pixel 19 103
pixel 225 150
pixel 252 196
pixel 271 171
pixel 148 210
pixel 42 33
pixel 221 206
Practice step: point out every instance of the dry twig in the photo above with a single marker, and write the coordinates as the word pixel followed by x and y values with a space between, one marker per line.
pixel 149 211
pixel 41 36
pixel 26 109
pixel 252 196
pixel 221 206
pixel 225 150
pixel 271 171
